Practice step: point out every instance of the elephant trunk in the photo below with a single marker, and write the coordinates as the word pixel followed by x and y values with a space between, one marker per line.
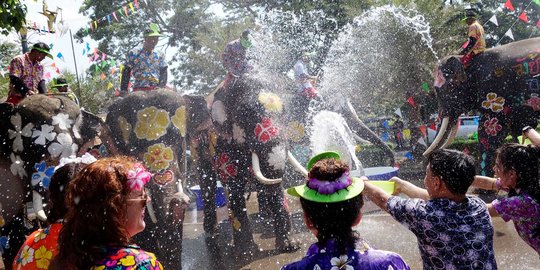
pixel 258 174
pixel 364 131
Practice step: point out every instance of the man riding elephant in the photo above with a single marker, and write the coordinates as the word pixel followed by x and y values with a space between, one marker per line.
pixel 235 58
pixel 476 43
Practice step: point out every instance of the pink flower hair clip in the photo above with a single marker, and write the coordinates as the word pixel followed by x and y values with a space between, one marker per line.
pixel 138 177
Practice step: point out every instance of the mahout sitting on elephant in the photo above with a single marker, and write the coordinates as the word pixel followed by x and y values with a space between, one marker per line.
pixel 35 135
pixel 154 127
pixel 502 83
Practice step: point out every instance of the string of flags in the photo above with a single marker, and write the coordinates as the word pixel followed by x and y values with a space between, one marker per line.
pixel 521 17
pixel 117 15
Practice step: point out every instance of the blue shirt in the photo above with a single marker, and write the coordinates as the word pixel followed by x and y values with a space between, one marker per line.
pixel 450 235
pixel 145 66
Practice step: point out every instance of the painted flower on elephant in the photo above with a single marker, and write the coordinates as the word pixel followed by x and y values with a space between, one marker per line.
pixel 62 120
pixel 277 157
pixel 239 135
pixel 42 175
pixel 295 131
pixel 45 134
pixel 225 167
pixel 492 126
pixel 266 130
pixel 271 102
pixel 493 102
pixel 158 157
pixel 152 123
pixel 63 147
pixel 533 102
pixel 17 166
pixel 17 134
pixel 179 120
pixel 125 128
pixel 218 112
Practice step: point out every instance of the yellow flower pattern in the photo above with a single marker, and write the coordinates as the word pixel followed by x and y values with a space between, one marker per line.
pixel 127 261
pixel 295 131
pixel 158 157
pixel 43 257
pixel 179 120
pixel 271 102
pixel 494 103
pixel 152 123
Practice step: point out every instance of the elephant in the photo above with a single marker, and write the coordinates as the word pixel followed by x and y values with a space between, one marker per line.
pixel 154 127
pixel 502 84
pixel 35 135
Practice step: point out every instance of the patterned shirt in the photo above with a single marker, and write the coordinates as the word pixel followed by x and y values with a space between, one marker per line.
pixel 126 257
pixel 525 212
pixel 145 66
pixel 329 258
pixel 38 249
pixel 234 58
pixel 477 31
pixel 30 73
pixel 301 75
pixel 450 235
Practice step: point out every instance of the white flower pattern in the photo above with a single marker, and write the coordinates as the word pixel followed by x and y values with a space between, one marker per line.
pixel 63 147
pixel 17 166
pixel 45 134
pixel 239 135
pixel 341 263
pixel 63 121
pixel 218 112
pixel 277 157
pixel 18 133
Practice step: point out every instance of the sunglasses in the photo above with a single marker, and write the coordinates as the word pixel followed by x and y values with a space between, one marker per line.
pixel 144 199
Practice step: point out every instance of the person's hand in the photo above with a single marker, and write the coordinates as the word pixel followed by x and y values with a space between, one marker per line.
pixel 398 184
pixel 364 178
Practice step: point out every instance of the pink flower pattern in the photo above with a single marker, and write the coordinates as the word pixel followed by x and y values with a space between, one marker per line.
pixel 266 130
pixel 533 102
pixel 226 168
pixel 492 126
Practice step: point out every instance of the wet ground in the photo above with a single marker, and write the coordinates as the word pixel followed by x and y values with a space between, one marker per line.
pixel 377 228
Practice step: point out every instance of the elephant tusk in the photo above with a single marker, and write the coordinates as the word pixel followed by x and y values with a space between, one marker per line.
pixel 258 174
pixel 439 137
pixel 150 207
pixel 297 166
pixel 451 136
pixel 37 202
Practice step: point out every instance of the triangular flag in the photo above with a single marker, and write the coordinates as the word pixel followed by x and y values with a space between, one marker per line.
pixel 120 12
pixel 509 34
pixel 47 75
pixel 411 101
pixel 87 46
pixel 523 17
pixel 509 5
pixel 466 151
pixel 131 7
pixel 493 19
pixel 433 126
pixel 103 56
pixel 421 141
pixel 109 19
pixel 102 76
pixel 95 25
pixel 109 85
pixel 96 56
pixel 97 68
pixel 113 70
pixel 113 62
pixel 53 64
pixel 398 112
pixel 136 3
pixel 425 87
pixel 114 15
pixel 126 10
pixel 538 24
pixel 58 70
pixel 51 46
pixel 60 56
pixel 423 129
pixel 83 51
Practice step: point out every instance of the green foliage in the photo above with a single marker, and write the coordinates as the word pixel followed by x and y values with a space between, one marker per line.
pixel 12 15
pixel 7 52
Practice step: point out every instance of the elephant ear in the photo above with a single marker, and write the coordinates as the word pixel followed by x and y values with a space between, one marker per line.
pixel 453 70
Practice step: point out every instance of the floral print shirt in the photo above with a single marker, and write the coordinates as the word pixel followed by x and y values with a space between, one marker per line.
pixel 329 258
pixel 146 67
pixel 234 58
pixel 525 212
pixel 450 235
pixel 30 73
pixel 477 31
pixel 38 249
pixel 130 257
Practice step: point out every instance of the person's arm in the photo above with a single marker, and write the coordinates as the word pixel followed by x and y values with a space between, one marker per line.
pixel 470 45
pixel 484 182
pixel 18 85
pixel 42 88
pixel 126 76
pixel 533 136
pixel 409 189
pixel 492 211
pixel 162 77
pixel 375 194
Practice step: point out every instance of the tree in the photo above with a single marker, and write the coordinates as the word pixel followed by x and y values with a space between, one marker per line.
pixel 8 50
pixel 12 15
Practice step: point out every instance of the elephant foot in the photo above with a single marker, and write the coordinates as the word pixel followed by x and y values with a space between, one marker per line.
pixel 287 245
pixel 249 249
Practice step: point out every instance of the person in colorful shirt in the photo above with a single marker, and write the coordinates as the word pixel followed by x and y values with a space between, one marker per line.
pixel 454 230
pixel 60 87
pixel 476 43
pixel 332 201
pixel 303 79
pixel 148 67
pixel 235 58
pixel 517 169
pixel 26 73
pixel 41 245
pixel 105 209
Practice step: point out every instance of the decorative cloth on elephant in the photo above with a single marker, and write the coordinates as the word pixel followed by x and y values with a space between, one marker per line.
pixel 146 66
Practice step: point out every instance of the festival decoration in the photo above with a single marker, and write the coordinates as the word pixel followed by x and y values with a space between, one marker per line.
pixel 226 167
pixel 275 158
pixel 271 102
pixel 158 157
pixel 239 135
pixel 493 20
pixel 17 134
pixel 266 130
pixel 152 123
pixel 509 5
pixel 295 131
pixel 45 134
pixel 493 102
pixel 62 121
pixel 492 126
pixel 42 175
pixel 179 120
pixel 138 177
pixel 63 147
pixel 410 100
pixel 164 178
pixel 17 166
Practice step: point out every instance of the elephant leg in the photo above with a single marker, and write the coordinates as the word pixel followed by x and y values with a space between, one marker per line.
pixel 489 141
pixel 242 233
pixel 273 195
pixel 208 193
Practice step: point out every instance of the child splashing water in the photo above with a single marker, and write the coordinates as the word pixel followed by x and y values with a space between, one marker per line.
pixel 332 202
pixel 516 167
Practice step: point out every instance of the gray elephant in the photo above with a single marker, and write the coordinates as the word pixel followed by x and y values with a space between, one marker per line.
pixel 502 84
pixel 154 127
pixel 35 135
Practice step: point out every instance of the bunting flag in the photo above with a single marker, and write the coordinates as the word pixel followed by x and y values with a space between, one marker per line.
pixel 102 76
pixel 137 3
pixel 409 155
pixel 109 19
pixel 411 101
pixel 509 34
pixel 114 15
pixel 398 112
pixel 523 17
pixel 83 51
pixel 425 87
pixel 466 151
pixel 433 126
pixel 113 70
pixel 422 142
pixel 538 24
pixel 87 46
pixel 95 56
pixel 109 86
pixel 423 129
pixel 493 20
pixel 103 55
pixel 47 75
pixel 407 134
pixel 60 56
pixel 123 11
pixel 58 70
pixel 126 10
pixel 131 7
pixel 509 5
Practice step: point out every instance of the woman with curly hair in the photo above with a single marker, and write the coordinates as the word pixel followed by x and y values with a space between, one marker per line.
pixel 105 203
